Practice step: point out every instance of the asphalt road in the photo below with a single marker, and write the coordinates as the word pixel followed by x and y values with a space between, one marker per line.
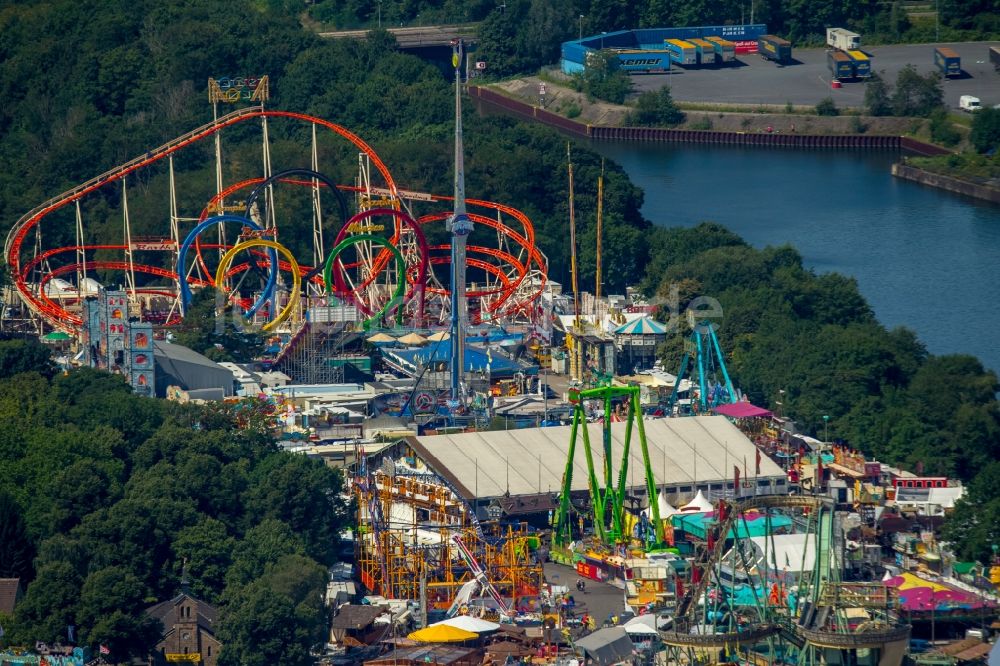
pixel 600 600
pixel 806 81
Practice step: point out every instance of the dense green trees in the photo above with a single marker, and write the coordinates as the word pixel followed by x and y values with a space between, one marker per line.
pixel 116 493
pixel 985 134
pixel 975 525
pixel 602 79
pixel 914 94
pixel 814 338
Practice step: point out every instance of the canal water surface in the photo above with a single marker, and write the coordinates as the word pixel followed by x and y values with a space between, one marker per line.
pixel 924 258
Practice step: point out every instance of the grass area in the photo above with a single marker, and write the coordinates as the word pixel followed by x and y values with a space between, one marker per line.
pixel 787 109
pixel 968 166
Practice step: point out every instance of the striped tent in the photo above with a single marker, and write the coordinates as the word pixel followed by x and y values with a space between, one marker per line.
pixel 642 326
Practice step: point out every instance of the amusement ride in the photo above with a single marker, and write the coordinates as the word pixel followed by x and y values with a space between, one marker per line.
pixel 369 255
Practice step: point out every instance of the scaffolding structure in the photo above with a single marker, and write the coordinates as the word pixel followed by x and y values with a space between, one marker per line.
pixel 406 547
pixel 315 354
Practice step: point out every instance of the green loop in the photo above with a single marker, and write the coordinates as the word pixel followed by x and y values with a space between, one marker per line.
pixel 400 267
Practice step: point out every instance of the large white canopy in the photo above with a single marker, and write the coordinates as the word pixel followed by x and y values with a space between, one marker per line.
pixel 682 452
pixel 468 623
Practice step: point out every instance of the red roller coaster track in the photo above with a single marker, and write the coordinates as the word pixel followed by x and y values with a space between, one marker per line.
pixel 510 266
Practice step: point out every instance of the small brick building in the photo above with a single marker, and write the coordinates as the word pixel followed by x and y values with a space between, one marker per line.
pixel 188 632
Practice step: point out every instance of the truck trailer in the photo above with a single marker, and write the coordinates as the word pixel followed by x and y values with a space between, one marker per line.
pixel 705 50
pixel 946 60
pixel 840 64
pixel 862 64
pixel 845 40
pixel 635 61
pixel 774 48
pixel 725 50
pixel 681 52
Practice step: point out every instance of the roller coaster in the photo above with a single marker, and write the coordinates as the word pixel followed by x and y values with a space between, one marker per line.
pixel 380 267
pixel 744 604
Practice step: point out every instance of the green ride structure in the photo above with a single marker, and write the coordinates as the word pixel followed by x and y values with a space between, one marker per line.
pixel 607 504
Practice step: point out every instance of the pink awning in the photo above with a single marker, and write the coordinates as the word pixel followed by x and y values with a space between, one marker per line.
pixel 741 410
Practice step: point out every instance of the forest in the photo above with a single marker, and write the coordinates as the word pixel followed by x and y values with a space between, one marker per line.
pixel 112 493
pixel 107 498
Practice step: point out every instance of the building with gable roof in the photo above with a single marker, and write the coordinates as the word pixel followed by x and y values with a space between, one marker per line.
pixel 188 631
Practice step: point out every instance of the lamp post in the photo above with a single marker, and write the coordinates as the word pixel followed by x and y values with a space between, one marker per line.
pixel 581 28
pixel 379 14
pixel 826 423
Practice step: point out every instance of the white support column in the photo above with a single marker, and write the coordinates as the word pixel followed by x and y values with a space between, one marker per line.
pixel 130 272
pixel 319 253
pixel 218 182
pixel 81 255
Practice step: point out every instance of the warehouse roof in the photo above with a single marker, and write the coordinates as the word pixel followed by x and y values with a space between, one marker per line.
pixel 532 460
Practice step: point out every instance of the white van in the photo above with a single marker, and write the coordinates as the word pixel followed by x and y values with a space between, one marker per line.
pixel 969 103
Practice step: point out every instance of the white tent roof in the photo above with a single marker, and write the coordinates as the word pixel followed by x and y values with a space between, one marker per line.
pixel 532 460
pixel 468 623
pixel 666 509
pixel 699 504
pixel 645 624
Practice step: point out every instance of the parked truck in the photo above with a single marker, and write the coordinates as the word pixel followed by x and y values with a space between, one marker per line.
pixel 681 52
pixel 725 50
pixel 995 57
pixel 840 64
pixel 842 39
pixel 862 64
pixel 946 60
pixel 969 103
pixel 774 48
pixel 705 50
pixel 642 61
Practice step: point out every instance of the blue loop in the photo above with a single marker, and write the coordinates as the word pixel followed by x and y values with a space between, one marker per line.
pixel 272 278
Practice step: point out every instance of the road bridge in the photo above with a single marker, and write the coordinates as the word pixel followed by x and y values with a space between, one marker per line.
pixel 413 37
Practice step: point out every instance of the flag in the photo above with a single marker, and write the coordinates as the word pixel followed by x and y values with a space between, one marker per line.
pixel 104 650
pixel 758 463
pixel 736 478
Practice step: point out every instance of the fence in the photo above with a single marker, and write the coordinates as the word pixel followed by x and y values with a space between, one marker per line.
pixel 661 134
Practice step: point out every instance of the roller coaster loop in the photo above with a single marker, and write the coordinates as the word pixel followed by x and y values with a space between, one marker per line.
pixel 400 268
pixel 185 289
pixel 420 280
pixel 341 199
pixel 293 298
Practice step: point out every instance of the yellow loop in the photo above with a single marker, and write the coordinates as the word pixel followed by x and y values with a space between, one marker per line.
pixel 293 299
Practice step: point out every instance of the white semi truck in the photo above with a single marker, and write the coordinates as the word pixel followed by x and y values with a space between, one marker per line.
pixel 842 39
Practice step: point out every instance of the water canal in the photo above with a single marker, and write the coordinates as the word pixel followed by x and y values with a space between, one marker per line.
pixel 925 259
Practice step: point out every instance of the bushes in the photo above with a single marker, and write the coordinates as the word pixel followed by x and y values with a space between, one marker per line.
pixel 602 79
pixel 942 129
pixel 827 107
pixel 655 108
pixel 913 95
pixel 985 135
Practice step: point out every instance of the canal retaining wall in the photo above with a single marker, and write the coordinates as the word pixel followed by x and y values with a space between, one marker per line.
pixel 662 134
pixel 943 182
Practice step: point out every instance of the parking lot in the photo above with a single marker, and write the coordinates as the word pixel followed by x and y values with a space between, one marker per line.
pixel 753 80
